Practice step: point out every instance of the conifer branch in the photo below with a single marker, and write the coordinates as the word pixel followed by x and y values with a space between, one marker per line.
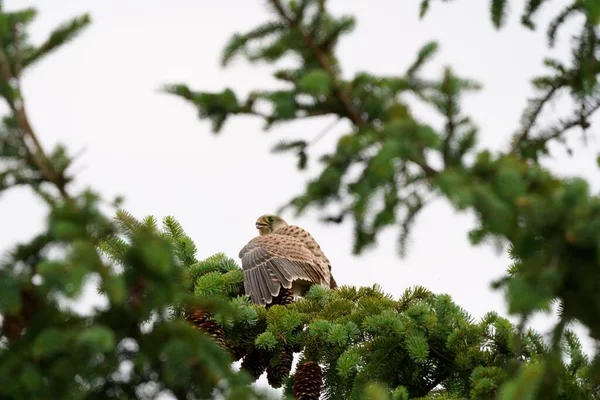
pixel 322 59
pixel 321 56
pixel 37 154
pixel 450 131
pixel 17 56
pixel 531 116
pixel 559 20
pixel 564 126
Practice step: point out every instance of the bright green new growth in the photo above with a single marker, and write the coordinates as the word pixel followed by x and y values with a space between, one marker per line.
pixel 361 336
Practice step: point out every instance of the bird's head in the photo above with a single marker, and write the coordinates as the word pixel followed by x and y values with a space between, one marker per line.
pixel 269 223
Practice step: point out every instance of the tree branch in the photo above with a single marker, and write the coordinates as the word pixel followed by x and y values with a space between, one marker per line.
pixel 556 132
pixel 322 59
pixel 450 132
pixel 38 156
pixel 321 56
pixel 524 133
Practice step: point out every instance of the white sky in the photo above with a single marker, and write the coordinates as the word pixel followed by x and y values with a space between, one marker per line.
pixel 100 93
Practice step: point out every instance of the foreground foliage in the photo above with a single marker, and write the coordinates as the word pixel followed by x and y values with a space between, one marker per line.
pixel 47 350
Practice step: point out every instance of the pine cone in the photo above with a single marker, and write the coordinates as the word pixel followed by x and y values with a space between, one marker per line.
pixel 215 331
pixel 255 362
pixel 241 347
pixel 195 316
pixel 297 347
pixel 201 319
pixel 238 351
pixel 278 372
pixel 14 324
pixel 308 382
pixel 284 298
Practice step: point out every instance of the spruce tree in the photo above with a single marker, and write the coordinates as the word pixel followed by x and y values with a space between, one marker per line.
pixel 175 323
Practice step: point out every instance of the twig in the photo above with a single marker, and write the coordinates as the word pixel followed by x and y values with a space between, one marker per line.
pixel 324 132
pixel 524 133
pixel 17 55
pixel 450 131
pixel 565 126
pixel 38 156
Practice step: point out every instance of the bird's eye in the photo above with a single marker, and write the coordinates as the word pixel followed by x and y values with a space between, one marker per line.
pixel 270 219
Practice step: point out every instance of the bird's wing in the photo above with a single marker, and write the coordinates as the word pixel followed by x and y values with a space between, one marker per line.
pixel 272 261
pixel 311 244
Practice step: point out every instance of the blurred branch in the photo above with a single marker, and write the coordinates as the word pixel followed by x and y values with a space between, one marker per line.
pixel 562 127
pixel 17 106
pixel 532 116
pixel 322 57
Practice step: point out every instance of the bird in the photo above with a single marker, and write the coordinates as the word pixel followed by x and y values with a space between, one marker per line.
pixel 282 256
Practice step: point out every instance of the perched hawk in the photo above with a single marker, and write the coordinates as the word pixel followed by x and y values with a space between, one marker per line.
pixel 282 256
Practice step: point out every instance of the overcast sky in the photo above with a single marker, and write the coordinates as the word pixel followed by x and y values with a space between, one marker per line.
pixel 100 93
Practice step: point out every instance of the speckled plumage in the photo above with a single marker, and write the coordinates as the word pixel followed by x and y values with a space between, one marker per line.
pixel 282 256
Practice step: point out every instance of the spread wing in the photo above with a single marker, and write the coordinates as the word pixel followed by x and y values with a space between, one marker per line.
pixel 272 261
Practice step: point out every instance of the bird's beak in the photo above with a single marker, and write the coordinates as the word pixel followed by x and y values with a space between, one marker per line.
pixel 260 225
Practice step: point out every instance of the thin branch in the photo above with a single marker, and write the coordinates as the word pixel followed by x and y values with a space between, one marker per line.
pixel 324 132
pixel 524 133
pixel 17 55
pixel 38 156
pixel 309 113
pixel 450 131
pixel 570 124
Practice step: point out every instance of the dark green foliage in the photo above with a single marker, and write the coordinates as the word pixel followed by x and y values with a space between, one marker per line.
pixel 144 284
pixel 58 344
pixel 499 12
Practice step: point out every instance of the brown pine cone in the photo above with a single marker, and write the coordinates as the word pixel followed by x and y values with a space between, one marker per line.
pixel 308 381
pixel 238 351
pixel 278 372
pixel 14 324
pixel 284 298
pixel 255 362
pixel 215 331
pixel 201 319
pixel 195 316
pixel 239 348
